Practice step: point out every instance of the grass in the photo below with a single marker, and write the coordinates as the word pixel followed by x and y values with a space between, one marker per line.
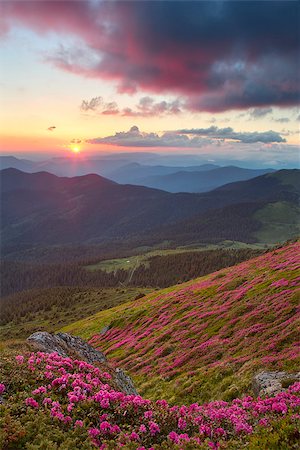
pixel 279 219
pixel 134 261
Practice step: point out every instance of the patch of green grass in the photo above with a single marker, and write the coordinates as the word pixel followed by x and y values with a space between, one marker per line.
pixel 280 221
pixel 133 262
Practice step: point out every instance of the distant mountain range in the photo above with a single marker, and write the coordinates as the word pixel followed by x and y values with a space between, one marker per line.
pixel 43 209
pixel 201 180
pixel 193 178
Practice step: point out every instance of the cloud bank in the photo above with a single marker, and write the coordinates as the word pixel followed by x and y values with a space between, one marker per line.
pixel 217 55
pixel 228 133
pixel 194 138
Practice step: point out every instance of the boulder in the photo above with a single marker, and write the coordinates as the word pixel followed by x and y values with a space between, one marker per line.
pixel 74 347
pixel 66 345
pixel 271 383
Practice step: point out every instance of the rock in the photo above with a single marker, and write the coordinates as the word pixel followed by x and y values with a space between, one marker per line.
pixel 124 382
pixel 67 345
pixel 105 329
pixel 271 383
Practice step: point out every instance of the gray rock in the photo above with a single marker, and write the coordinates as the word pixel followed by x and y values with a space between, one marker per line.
pixel 67 345
pixel 271 383
pixel 124 382
pixel 105 329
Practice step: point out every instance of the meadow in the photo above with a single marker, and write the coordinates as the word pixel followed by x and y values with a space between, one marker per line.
pixel 134 260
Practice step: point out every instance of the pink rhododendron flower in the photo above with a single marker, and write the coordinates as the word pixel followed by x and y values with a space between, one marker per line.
pixel 20 359
pixel 31 402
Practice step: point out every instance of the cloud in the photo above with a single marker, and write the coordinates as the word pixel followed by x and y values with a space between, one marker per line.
pixel 52 128
pixel 193 138
pixel 135 138
pixel 97 104
pixel 218 55
pixel 282 120
pixel 146 107
pixel 228 133
pixel 91 105
pixel 75 141
pixel 260 112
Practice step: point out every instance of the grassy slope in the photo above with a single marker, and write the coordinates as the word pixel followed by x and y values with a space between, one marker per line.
pixel 204 339
pixel 278 219
pixel 52 308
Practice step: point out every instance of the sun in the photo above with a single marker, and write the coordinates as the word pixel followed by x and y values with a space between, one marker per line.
pixel 75 149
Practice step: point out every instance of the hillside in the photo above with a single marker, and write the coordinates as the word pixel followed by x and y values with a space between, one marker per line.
pixel 205 339
pixel 62 211
pixel 195 342
pixel 50 309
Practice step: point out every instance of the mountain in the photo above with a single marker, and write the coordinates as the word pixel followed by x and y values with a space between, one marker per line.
pixel 135 173
pixel 43 209
pixel 201 181
pixel 119 168
pixel 205 339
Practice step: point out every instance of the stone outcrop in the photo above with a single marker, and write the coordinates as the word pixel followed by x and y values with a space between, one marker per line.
pixel 66 345
pixel 271 383
pixel 74 347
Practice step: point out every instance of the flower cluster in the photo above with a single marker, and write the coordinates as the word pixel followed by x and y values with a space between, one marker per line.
pixel 76 394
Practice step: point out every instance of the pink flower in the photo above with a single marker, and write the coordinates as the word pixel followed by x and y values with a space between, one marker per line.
pixel 148 414
pixel 20 359
pixel 31 402
pixel 78 423
pixel 181 423
pixel 174 437
pixel 2 388
pixel 94 432
pixel 134 436
pixel 154 428
pixel 143 429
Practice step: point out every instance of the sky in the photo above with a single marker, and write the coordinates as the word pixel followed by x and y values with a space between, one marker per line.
pixel 201 77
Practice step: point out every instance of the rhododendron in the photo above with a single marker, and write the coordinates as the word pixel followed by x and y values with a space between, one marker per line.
pixel 105 414
pixel 20 359
pixel 78 423
pixel 31 402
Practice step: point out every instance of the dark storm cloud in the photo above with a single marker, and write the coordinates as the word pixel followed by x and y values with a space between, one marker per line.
pixel 219 55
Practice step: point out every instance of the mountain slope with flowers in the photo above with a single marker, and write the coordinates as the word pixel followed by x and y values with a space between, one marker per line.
pixel 54 402
pixel 202 340
pixel 205 339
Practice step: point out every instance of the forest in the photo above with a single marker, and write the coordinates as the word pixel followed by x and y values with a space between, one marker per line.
pixel 161 271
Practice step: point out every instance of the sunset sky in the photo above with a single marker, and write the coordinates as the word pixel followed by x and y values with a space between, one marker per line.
pixel 196 77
